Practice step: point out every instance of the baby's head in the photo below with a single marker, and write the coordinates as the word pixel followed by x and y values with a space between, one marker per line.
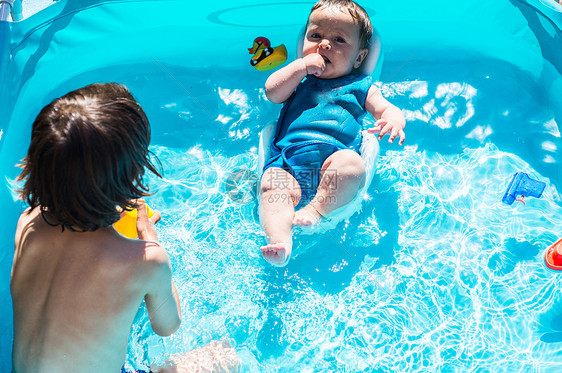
pixel 340 31
pixel 88 153
pixel 356 11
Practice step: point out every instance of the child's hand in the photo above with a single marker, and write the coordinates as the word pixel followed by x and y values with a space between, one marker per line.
pixel 145 225
pixel 315 64
pixel 384 126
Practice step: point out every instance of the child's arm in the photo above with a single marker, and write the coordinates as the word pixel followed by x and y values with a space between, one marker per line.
pixel 389 117
pixel 281 84
pixel 162 300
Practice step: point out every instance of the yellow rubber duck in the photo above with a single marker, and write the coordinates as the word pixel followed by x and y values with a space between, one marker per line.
pixel 264 56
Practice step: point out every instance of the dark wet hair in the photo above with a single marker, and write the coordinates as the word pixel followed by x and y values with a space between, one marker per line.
pixel 357 13
pixel 88 153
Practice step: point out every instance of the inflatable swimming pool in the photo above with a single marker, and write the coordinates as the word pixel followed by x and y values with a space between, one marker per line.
pixel 480 86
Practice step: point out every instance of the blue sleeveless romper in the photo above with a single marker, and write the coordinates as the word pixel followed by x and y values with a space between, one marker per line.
pixel 321 117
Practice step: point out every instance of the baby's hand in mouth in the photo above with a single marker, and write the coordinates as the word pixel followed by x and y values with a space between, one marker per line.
pixel 315 64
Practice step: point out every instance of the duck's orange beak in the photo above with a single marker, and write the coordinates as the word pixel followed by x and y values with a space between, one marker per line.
pixel 254 48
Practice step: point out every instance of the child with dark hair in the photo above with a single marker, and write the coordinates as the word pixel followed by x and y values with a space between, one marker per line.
pixel 77 283
pixel 316 147
pixel 88 153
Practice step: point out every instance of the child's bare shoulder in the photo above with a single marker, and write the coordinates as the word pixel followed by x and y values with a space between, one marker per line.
pixel 134 263
pixel 156 267
pixel 27 216
pixel 156 254
pixel 155 260
pixel 24 222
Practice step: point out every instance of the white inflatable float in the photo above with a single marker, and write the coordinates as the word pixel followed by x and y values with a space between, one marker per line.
pixel 369 144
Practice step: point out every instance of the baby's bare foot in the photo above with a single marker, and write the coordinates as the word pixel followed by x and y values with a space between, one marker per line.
pixel 277 254
pixel 306 217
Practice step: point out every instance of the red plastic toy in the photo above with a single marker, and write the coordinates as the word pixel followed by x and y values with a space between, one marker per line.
pixel 553 256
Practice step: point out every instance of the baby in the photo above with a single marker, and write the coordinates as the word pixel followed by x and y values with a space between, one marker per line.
pixel 315 167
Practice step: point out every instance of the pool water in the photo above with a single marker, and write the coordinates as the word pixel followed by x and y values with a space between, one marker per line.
pixel 435 273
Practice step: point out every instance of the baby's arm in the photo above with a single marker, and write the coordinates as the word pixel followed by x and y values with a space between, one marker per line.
pixel 162 300
pixel 389 117
pixel 281 84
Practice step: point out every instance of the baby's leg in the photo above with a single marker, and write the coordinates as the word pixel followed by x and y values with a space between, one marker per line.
pixel 343 174
pixel 280 193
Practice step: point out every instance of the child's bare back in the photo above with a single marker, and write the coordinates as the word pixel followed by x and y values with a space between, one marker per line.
pixel 76 294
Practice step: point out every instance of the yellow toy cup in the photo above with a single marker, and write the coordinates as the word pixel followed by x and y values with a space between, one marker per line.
pixel 127 225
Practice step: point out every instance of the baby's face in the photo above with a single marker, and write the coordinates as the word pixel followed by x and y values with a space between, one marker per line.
pixel 335 36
